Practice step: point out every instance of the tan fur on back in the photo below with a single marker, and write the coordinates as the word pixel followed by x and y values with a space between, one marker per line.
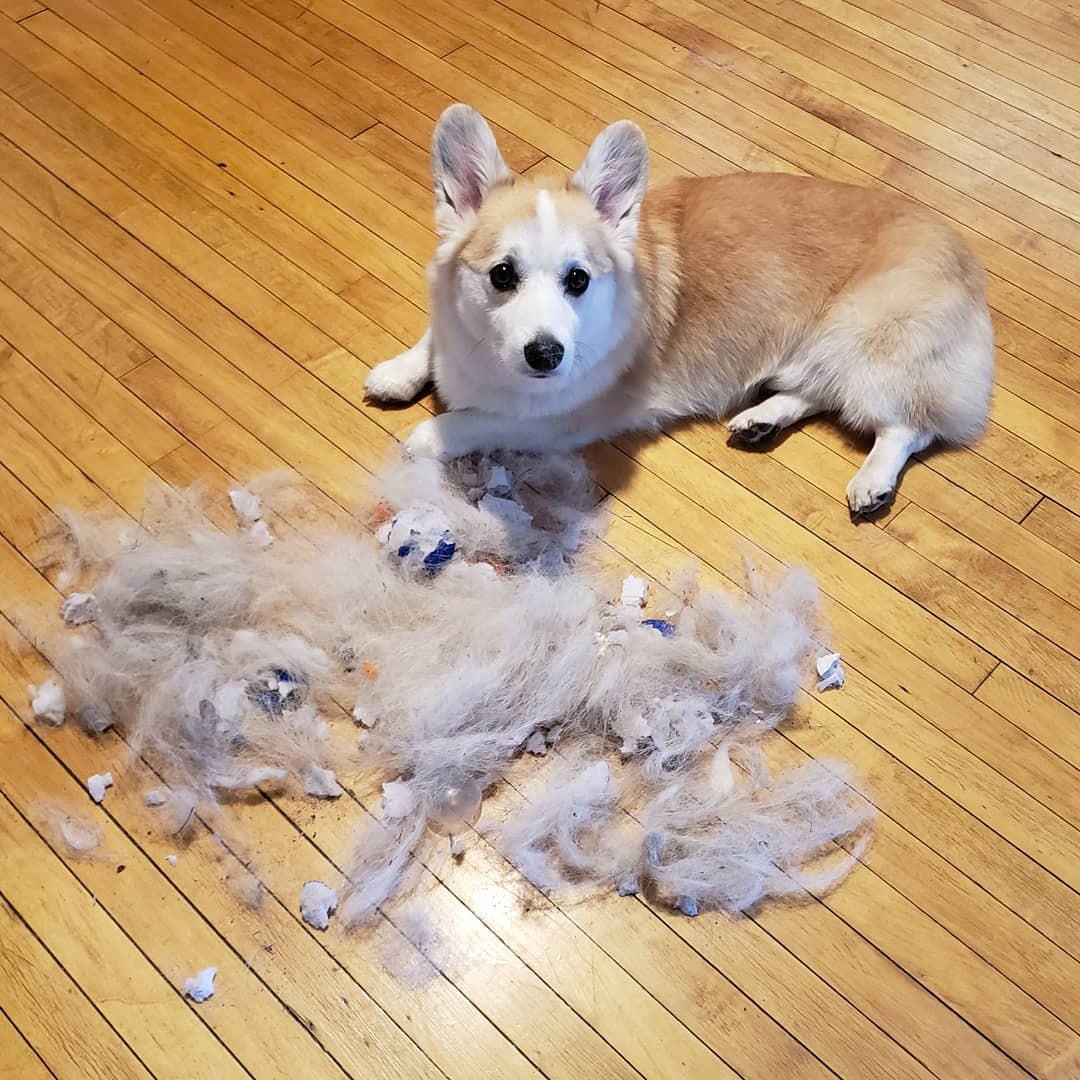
pixel 742 271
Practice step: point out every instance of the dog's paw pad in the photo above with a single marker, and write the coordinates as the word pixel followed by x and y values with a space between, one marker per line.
pixel 753 434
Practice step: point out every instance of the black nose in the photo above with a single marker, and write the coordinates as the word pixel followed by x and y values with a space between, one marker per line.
pixel 543 354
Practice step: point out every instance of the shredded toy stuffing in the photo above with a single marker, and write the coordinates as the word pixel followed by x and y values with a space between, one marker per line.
pixel 98 784
pixel 830 672
pixel 317 903
pixel 200 987
pixel 79 609
pixel 247 504
pixel 48 702
pixel 260 533
pixel 473 629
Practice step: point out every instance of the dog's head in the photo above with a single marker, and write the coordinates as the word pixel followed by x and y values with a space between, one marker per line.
pixel 537 277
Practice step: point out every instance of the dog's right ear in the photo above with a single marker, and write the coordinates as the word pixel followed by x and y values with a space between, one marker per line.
pixel 465 166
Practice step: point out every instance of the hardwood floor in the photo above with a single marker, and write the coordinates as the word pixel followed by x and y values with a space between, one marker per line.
pixel 214 217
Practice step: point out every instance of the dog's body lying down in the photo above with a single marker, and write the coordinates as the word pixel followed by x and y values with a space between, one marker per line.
pixel 562 316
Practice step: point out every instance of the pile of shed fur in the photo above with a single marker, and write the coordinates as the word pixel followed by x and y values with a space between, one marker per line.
pixel 472 633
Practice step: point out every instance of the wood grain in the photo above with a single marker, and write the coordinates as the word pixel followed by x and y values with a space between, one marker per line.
pixel 214 218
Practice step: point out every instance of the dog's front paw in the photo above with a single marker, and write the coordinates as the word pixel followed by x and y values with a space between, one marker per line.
pixel 399 379
pixel 868 498
pixel 747 432
pixel 426 440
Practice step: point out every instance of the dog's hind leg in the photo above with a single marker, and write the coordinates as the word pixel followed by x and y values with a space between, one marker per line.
pixel 403 377
pixel 763 421
pixel 873 487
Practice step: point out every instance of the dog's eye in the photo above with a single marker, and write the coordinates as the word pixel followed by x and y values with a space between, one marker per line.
pixel 503 276
pixel 577 281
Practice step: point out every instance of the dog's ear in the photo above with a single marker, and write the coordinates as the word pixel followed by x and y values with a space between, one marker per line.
pixel 614 174
pixel 465 166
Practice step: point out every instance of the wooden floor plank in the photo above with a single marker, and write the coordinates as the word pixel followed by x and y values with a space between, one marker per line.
pixel 35 990
pixel 992 577
pixel 209 371
pixel 1024 30
pixel 318 155
pixel 398 96
pixel 1056 526
pixel 1054 1039
pixel 239 159
pixel 94 390
pixel 1029 707
pixel 18 1061
pixel 312 295
pixel 80 439
pixel 20 9
pixel 214 216
pixel 137 1000
pixel 113 348
pixel 979 50
pixel 929 87
pixel 232 46
pixel 952 602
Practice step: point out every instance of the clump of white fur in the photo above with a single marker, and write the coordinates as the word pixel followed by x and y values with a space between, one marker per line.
pixel 224 662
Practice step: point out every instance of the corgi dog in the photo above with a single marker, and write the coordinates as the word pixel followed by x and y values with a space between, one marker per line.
pixel 564 314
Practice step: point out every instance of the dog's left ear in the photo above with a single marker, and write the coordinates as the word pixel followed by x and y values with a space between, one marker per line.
pixel 614 174
pixel 465 166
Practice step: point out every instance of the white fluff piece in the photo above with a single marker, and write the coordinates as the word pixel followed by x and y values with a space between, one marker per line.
pixel 98 784
pixel 246 504
pixel 48 702
pixel 225 664
pixel 635 592
pixel 155 798
pixel 511 513
pixel 321 783
pixel 200 987
pixel 830 672
pixel 260 533
pixel 79 608
pixel 499 481
pixel 398 800
pixel 317 903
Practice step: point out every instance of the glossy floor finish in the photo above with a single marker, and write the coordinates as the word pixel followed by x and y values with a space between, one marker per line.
pixel 214 216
